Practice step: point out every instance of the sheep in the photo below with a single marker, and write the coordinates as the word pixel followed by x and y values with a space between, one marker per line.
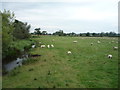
pixel 48 46
pixel 98 41
pixel 115 48
pixel 110 56
pixel 75 41
pixel 42 46
pixel 33 46
pixel 52 45
pixel 69 52
pixel 91 44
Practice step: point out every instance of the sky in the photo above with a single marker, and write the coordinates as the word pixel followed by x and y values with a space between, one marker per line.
pixel 79 16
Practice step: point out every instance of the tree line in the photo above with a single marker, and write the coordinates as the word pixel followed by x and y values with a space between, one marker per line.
pixel 88 34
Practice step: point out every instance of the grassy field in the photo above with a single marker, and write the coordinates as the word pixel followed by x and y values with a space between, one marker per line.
pixel 87 67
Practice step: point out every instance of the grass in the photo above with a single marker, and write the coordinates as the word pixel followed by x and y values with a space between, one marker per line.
pixel 87 66
pixel 21 44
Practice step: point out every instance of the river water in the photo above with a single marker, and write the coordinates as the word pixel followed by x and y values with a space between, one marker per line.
pixel 15 63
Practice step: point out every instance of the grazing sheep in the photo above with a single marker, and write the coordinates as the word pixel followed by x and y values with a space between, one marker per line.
pixel 48 46
pixel 69 52
pixel 75 41
pixel 52 45
pixel 98 41
pixel 91 44
pixel 115 48
pixel 110 56
pixel 33 46
pixel 42 46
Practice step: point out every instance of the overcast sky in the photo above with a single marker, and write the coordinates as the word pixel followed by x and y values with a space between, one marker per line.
pixel 70 16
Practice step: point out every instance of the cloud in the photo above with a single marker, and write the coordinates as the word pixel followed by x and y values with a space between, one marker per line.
pixel 58 0
pixel 83 13
pixel 76 16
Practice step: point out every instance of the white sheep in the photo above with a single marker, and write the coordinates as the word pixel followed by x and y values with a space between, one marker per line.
pixel 52 45
pixel 115 48
pixel 33 46
pixel 42 46
pixel 75 41
pixel 69 52
pixel 110 56
pixel 98 41
pixel 48 46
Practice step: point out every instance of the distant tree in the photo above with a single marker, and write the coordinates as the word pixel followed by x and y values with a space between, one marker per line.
pixel 106 34
pixel 80 34
pixel 102 34
pixel 37 31
pixel 73 34
pixel 64 34
pixel 118 35
pixel 87 34
pixel 94 34
pixel 112 34
pixel 44 32
pixel 49 34
pixel 59 33
pixel 84 34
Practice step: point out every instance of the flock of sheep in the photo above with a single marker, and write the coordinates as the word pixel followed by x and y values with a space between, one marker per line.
pixel 69 52
pixel 48 46
pixel 109 55
pixel 43 46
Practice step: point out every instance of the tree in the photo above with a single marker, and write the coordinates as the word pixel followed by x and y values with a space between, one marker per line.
pixel 37 31
pixel 44 32
pixel 87 34
pixel 21 30
pixel 7 30
pixel 60 33
pixel 73 34
pixel 102 34
pixel 112 34
pixel 93 34
pixel 80 34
